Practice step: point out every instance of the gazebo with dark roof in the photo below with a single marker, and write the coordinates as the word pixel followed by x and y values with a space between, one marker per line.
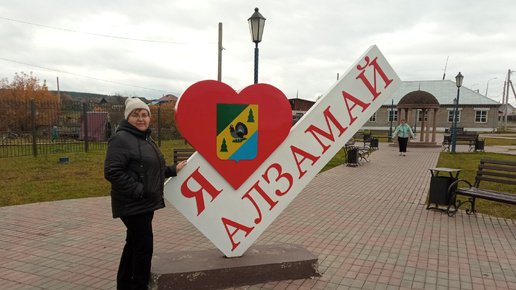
pixel 428 104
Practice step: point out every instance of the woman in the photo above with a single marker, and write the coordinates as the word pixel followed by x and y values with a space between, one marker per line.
pixel 403 131
pixel 136 170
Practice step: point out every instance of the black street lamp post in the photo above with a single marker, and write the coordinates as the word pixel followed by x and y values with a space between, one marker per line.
pixel 458 80
pixel 256 24
pixel 391 117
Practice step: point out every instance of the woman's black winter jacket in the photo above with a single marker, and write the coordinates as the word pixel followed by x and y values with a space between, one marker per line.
pixel 136 169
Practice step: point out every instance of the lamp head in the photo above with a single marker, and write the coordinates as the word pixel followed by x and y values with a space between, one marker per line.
pixel 256 24
pixel 458 80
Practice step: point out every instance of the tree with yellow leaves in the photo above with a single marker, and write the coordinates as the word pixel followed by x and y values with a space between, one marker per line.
pixel 15 97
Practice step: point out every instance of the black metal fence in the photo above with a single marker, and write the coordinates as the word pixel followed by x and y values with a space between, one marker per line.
pixel 33 127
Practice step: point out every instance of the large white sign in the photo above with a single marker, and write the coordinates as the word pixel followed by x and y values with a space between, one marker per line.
pixel 234 218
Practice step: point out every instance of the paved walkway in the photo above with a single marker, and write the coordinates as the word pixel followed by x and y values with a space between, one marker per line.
pixel 368 225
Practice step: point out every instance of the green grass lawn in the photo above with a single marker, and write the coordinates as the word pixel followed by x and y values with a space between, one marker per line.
pixel 31 179
pixel 499 142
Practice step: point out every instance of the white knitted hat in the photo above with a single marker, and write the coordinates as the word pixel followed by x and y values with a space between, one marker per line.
pixel 132 104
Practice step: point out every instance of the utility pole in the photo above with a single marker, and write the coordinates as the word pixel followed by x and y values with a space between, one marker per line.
pixel 445 66
pixel 500 121
pixel 507 100
pixel 58 93
pixel 220 48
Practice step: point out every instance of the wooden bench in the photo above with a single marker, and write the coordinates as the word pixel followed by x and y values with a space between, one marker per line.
pixel 469 138
pixel 181 154
pixel 362 137
pixel 489 170
pixel 371 140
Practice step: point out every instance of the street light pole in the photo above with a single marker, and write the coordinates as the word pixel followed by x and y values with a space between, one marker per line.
pixel 487 87
pixel 391 117
pixel 256 63
pixel 458 80
pixel 256 24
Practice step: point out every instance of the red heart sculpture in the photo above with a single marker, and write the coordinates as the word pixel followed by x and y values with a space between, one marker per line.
pixel 234 132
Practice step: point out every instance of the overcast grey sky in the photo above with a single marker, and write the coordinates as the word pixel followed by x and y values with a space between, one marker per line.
pixel 153 48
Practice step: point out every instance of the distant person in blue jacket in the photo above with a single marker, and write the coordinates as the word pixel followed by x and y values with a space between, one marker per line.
pixel 54 133
pixel 403 131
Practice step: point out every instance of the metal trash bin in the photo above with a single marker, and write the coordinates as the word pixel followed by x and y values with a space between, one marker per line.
pixel 352 156
pixel 439 185
pixel 374 143
pixel 479 145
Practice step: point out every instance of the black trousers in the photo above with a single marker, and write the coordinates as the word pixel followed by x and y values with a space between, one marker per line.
pixel 135 263
pixel 403 144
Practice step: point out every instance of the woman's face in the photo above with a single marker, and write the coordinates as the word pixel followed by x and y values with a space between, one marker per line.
pixel 140 119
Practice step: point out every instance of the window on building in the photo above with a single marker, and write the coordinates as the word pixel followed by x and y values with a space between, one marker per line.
pixel 373 118
pixel 393 114
pixel 451 113
pixel 481 116
pixel 420 115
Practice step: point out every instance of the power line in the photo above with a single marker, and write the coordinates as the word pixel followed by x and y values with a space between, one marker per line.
pixel 102 35
pixel 74 74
